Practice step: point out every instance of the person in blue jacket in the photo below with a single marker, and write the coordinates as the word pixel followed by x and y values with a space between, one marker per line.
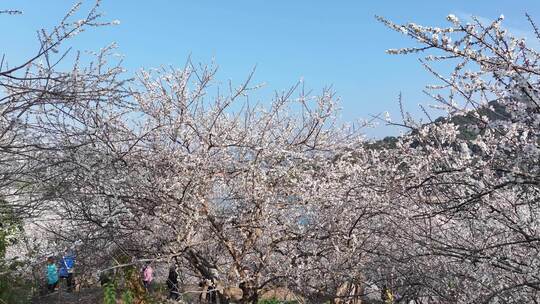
pixel 52 274
pixel 67 264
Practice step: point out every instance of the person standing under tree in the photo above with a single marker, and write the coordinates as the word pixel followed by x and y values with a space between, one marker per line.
pixel 66 269
pixel 148 276
pixel 52 274
pixel 172 283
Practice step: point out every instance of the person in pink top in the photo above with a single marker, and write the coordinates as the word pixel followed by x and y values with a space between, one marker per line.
pixel 148 276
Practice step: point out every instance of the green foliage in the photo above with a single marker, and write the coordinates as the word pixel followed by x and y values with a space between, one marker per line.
pixel 127 297
pixel 125 282
pixel 109 293
pixel 12 286
pixel 10 228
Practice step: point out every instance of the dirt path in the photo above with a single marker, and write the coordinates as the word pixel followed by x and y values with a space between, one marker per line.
pixel 85 296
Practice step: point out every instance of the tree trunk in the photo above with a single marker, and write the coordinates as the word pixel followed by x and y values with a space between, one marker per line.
pixel 249 294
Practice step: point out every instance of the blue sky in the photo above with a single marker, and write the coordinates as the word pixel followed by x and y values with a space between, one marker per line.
pixel 336 43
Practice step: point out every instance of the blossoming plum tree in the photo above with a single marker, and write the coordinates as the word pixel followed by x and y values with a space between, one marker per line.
pixel 171 167
pixel 472 203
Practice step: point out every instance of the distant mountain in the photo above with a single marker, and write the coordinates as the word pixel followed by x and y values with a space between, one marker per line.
pixel 493 111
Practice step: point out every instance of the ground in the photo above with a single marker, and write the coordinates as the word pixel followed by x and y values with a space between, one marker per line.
pixel 85 296
pixel 94 295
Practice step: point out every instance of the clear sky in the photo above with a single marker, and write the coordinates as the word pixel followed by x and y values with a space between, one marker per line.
pixel 336 43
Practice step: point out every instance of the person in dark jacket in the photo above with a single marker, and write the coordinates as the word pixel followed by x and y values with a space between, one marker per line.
pixel 172 284
pixel 67 264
